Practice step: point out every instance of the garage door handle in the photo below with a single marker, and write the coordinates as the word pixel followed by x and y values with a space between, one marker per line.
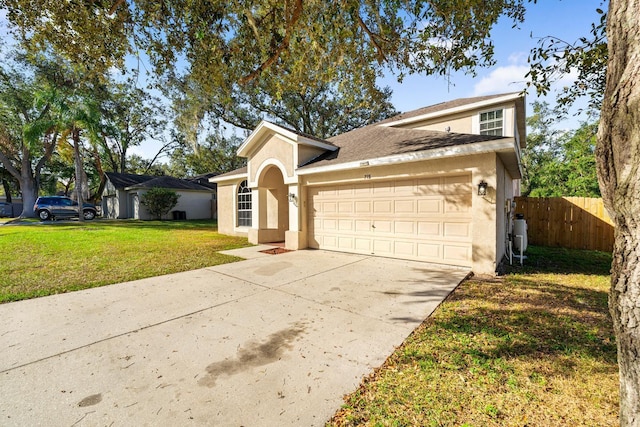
pixel 373 226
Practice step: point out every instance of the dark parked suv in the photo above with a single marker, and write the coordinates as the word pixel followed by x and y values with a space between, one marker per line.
pixel 52 207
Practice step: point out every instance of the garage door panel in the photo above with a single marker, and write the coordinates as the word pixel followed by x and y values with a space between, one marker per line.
pixel 456 185
pixel 362 189
pixel 429 251
pixel 425 219
pixel 404 227
pixel 362 245
pixel 383 188
pixel 429 186
pixel 430 229
pixel 404 207
pixel 403 248
pixel 329 207
pixel 329 224
pixel 363 225
pixel 404 188
pixel 382 247
pixel 457 229
pixel 345 225
pixel 430 206
pixel 457 203
pixel 363 207
pixel 461 253
pixel 345 207
pixel 329 242
pixel 345 243
pixel 383 226
pixel 382 207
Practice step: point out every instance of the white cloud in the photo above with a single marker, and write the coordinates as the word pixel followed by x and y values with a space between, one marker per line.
pixel 509 78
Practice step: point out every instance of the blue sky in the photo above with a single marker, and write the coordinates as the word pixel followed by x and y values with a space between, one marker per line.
pixel 566 19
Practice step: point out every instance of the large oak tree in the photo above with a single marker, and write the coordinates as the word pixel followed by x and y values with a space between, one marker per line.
pixel 226 43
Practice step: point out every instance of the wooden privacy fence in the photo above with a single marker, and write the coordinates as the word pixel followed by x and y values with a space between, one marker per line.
pixel 567 222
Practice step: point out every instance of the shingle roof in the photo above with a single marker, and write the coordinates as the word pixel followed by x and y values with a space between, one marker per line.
pixel 171 183
pixel 122 180
pixel 374 141
pixel 242 170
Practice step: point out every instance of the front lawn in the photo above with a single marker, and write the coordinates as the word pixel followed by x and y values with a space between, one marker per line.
pixel 532 348
pixel 44 259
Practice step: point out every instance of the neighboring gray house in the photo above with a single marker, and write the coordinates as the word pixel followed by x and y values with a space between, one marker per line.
pixel 122 193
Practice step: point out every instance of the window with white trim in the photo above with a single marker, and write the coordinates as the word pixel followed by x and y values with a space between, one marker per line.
pixel 491 123
pixel 244 205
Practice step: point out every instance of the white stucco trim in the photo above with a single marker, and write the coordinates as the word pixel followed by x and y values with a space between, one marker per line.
pixel 501 145
pixel 449 111
pixel 288 135
pixel 235 177
pixel 272 161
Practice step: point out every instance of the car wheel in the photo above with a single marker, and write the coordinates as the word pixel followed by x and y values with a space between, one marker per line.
pixel 89 214
pixel 44 215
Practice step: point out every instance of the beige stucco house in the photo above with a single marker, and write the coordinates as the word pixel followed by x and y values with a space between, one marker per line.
pixel 434 184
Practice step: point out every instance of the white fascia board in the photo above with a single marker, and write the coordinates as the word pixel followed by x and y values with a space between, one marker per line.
pixel 314 143
pixel 229 177
pixel 466 107
pixel 288 135
pixel 502 145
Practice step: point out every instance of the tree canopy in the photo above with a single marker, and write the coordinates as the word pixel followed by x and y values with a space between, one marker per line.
pixel 228 43
pixel 558 163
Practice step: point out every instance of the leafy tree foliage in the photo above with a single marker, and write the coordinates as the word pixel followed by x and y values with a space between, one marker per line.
pixel 314 108
pixel 137 165
pixel 129 116
pixel 159 201
pixel 28 135
pixel 559 163
pixel 216 155
pixel 236 42
pixel 554 58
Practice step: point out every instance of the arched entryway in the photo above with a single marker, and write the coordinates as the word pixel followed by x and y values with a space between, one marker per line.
pixel 273 206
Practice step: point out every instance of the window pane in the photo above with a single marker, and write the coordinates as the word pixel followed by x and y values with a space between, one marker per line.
pixel 244 205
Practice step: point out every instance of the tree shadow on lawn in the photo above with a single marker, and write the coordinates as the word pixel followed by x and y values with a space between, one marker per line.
pixel 529 319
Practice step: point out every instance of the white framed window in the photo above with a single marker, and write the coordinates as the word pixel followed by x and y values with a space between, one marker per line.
pixel 244 205
pixel 492 122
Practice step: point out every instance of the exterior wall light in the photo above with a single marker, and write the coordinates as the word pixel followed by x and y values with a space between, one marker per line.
pixel 482 188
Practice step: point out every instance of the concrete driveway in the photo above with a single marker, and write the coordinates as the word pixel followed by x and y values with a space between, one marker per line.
pixel 272 340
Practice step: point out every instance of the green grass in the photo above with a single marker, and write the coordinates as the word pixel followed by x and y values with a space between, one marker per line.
pixel 534 347
pixel 50 258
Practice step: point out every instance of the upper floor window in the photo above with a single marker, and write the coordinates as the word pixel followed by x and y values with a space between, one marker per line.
pixel 244 205
pixel 491 123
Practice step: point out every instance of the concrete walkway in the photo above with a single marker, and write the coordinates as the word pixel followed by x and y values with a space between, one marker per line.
pixel 272 340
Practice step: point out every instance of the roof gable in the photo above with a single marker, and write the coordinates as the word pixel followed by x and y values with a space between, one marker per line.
pixel 266 128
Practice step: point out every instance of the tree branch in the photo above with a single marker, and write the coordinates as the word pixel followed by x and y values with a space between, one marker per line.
pixel 115 6
pixel 381 56
pixel 297 11
pixel 6 163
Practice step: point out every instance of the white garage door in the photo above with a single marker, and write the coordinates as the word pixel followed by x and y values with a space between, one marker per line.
pixel 427 219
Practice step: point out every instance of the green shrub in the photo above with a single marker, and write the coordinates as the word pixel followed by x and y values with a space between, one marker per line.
pixel 159 201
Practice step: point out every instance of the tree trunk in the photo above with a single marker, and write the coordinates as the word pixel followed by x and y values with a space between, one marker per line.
pixel 29 192
pixel 7 190
pixel 618 161
pixel 79 172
